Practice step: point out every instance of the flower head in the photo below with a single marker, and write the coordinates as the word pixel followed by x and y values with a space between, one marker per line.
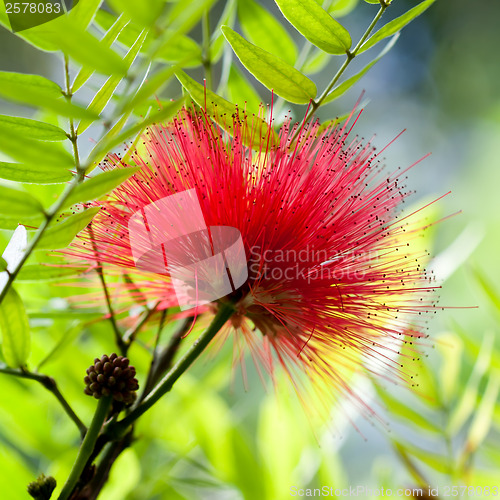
pixel 331 279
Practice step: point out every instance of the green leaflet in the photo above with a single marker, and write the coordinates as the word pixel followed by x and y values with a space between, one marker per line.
pixel 15 203
pixel 144 13
pixel 34 129
pixel 312 21
pixel 33 174
pixel 262 29
pixel 396 25
pixel 347 84
pixel 40 92
pixel 31 151
pixel 62 234
pixel 15 330
pixel 241 92
pixel 222 112
pixel 99 185
pixel 271 71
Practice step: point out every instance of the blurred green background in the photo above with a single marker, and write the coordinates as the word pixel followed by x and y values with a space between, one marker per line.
pixel 212 438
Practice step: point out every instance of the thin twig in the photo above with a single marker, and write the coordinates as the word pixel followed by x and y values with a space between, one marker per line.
pixel 50 384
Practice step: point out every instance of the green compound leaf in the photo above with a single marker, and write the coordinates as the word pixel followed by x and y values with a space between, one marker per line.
pixel 346 85
pixel 111 35
pixel 15 330
pixel 312 21
pixel 100 185
pixel 396 25
pixel 40 92
pixel 222 111
pixel 15 203
pixel 62 234
pixel 105 93
pixel 34 129
pixel 262 29
pixel 33 174
pixel 40 272
pixel 271 71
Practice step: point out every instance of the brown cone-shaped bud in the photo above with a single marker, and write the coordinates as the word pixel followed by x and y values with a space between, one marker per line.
pixel 42 488
pixel 112 376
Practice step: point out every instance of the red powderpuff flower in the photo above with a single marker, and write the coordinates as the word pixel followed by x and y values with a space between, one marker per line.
pixel 331 280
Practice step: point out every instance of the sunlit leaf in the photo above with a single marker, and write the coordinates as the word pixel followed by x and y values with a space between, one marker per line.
pixel 346 85
pixel 34 129
pixel 38 91
pixel 99 185
pixel 310 19
pixel 84 11
pixel 27 150
pixel 315 62
pixel 61 235
pixel 83 47
pixel 483 417
pixel 262 29
pixel 33 174
pixel 14 203
pixel 241 92
pixel 396 25
pixel 15 330
pixel 227 18
pixel 105 93
pixel 467 402
pixel 271 71
pixel 144 13
pixel 222 111
pixel 340 8
pixel 451 348
pixel 111 34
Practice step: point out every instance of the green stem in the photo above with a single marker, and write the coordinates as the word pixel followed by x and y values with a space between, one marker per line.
pixel 87 447
pixel 50 384
pixel 165 385
pixel 350 55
